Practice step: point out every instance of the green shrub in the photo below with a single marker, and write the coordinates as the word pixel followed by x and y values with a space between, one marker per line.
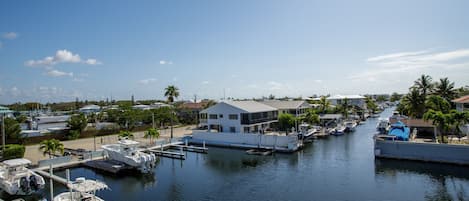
pixel 73 134
pixel 13 151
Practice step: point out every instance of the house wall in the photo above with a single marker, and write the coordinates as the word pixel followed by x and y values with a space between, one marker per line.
pixel 225 110
pixel 244 140
pixel 443 153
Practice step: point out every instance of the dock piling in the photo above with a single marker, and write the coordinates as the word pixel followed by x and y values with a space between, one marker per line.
pixel 51 182
pixel 204 144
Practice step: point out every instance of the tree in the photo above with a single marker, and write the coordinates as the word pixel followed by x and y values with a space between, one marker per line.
pixel 324 104
pixel 345 107
pixel 395 97
pixel 51 147
pixel 459 119
pixel 445 89
pixel 371 105
pixel 310 117
pixel 126 134
pixel 171 92
pixel 439 119
pixel 424 84
pixel 152 133
pixel 286 121
pixel 413 104
pixel 437 103
pixel 77 122
pixel 12 129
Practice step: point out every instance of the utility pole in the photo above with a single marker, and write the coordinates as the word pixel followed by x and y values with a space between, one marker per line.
pixel 3 133
pixel 153 119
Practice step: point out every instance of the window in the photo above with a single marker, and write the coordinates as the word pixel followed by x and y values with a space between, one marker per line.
pixel 213 116
pixel 203 115
pixel 221 116
pixel 233 129
pixel 233 117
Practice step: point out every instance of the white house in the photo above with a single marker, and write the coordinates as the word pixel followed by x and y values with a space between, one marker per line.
pixel 295 108
pixel 355 100
pixel 462 103
pixel 88 109
pixel 238 117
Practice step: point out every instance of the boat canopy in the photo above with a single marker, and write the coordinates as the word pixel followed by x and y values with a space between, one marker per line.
pixel 17 162
pixel 128 142
pixel 400 130
pixel 85 186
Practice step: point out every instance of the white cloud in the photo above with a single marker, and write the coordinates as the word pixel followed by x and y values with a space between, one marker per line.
pixel 61 56
pixel 164 62
pixel 147 81
pixel 318 81
pixel 57 73
pixel 412 63
pixel 275 85
pixel 10 35
pixel 205 82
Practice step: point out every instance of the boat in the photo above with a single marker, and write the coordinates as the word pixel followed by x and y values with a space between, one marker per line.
pixel 350 126
pixel 399 131
pixel 306 131
pixel 382 125
pixel 127 152
pixel 339 130
pixel 17 179
pixel 82 189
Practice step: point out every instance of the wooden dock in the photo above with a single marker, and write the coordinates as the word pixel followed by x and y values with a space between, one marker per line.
pixel 169 154
pixel 192 148
pixel 107 166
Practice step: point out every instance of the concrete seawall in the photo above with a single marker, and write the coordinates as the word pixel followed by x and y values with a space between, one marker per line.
pixel 430 152
pixel 247 140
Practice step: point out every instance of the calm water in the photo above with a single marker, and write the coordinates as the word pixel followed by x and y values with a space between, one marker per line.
pixel 337 168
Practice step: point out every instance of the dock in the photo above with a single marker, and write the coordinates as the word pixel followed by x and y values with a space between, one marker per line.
pixel 107 166
pixel 169 154
pixel 53 177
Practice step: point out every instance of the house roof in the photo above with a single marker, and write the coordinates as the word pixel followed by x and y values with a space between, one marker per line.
pixel 279 104
pixel 245 106
pixel 345 97
pixel 90 107
pixel 464 99
pixel 194 106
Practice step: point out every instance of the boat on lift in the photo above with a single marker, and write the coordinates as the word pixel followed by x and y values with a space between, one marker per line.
pixel 127 152
pixel 17 179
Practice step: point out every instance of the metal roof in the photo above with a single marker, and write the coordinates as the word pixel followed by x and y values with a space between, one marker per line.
pixel 464 99
pixel 345 97
pixel 279 104
pixel 251 106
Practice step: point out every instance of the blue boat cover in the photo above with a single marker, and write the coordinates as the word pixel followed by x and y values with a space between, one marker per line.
pixel 400 130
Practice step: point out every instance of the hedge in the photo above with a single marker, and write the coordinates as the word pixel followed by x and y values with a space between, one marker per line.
pixel 13 151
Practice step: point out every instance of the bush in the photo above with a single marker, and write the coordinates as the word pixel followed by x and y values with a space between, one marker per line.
pixel 13 151
pixel 73 134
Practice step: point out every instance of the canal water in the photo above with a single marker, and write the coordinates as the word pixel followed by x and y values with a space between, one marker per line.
pixel 336 168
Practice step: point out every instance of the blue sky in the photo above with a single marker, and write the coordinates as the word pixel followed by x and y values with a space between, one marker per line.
pixel 58 50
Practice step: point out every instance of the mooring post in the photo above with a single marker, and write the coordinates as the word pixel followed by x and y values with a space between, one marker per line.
pixel 161 146
pixel 204 144
pixel 67 174
pixel 51 183
pixel 186 142
pixel 180 148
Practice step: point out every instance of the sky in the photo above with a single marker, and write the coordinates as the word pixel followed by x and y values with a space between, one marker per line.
pixel 53 51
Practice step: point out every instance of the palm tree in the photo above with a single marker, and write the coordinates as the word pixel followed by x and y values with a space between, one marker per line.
pixel 324 104
pixel 310 117
pixel 126 134
pixel 152 133
pixel 439 119
pixel 459 119
pixel 171 92
pixel 424 84
pixel 437 103
pixel 445 89
pixel 413 103
pixel 51 147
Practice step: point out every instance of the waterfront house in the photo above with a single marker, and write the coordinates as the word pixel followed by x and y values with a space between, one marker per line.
pixel 353 100
pixel 296 108
pixel 238 117
pixel 462 103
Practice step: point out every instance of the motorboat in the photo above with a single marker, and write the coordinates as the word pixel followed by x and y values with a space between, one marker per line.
pixel 382 125
pixel 339 130
pixel 306 131
pixel 127 152
pixel 82 189
pixel 400 131
pixel 350 126
pixel 17 179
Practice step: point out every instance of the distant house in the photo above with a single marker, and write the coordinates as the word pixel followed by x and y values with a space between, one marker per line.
pixel 462 103
pixel 355 100
pixel 6 112
pixel 296 108
pixel 157 105
pixel 238 117
pixel 88 109
pixel 141 107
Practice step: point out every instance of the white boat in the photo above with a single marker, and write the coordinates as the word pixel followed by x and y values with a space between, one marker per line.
pixel 382 125
pixel 17 179
pixel 127 151
pixel 82 189
pixel 339 130
pixel 350 126
pixel 307 131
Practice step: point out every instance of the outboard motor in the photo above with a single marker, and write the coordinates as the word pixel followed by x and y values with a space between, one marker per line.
pixel 33 183
pixel 24 184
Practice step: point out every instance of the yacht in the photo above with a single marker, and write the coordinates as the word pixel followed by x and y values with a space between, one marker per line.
pixel 82 189
pixel 382 126
pixel 350 126
pixel 127 151
pixel 307 131
pixel 17 179
pixel 339 130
